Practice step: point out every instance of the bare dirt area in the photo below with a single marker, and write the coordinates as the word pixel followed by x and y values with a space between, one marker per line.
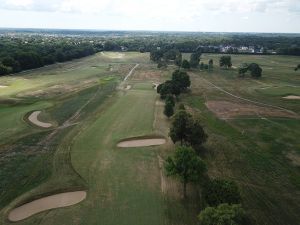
pixel 228 110
pixel 43 204
pixel 147 75
pixel 33 118
pixel 292 97
pixel 141 142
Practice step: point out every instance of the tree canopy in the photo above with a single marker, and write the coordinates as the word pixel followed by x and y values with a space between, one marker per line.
pixel 186 166
pixel 254 68
pixel 223 214
pixel 220 191
pixel 225 61
pixel 195 59
pixel 185 64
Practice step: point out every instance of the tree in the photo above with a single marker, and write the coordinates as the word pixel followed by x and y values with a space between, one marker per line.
pixel 225 61
pixel 182 79
pixel 243 69
pixel 297 68
pixel 210 64
pixel 255 69
pixel 178 59
pixel 156 55
pixel 180 128
pixel 196 136
pixel 12 63
pixel 169 109
pixel 195 59
pixel 4 70
pixel 186 166
pixel 185 64
pixel 168 88
pixel 224 214
pixel 219 191
pixel 170 99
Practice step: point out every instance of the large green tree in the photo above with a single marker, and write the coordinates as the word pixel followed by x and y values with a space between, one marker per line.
pixel 186 166
pixel 218 191
pixel 185 64
pixel 180 128
pixel 182 79
pixel 196 136
pixel 195 59
pixel 223 214
pixel 169 109
pixel 225 61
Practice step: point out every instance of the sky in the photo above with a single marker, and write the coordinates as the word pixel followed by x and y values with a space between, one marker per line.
pixel 280 16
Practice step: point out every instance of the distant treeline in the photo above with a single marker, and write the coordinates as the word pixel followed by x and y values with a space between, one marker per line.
pixel 28 49
pixel 18 54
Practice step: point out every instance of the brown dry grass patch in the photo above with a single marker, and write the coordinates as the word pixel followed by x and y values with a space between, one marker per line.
pixel 147 75
pixel 228 110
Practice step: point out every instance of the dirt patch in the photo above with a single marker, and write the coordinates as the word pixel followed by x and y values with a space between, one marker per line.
pixel 147 75
pixel 292 97
pixel 141 142
pixel 33 118
pixel 43 204
pixel 227 110
pixel 294 157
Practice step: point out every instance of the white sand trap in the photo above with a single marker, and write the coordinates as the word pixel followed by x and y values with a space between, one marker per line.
pixel 3 86
pixel 155 85
pixel 293 97
pixel 141 142
pixel 128 87
pixel 33 118
pixel 43 204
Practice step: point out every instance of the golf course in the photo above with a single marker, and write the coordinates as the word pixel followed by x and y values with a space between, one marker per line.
pixel 85 141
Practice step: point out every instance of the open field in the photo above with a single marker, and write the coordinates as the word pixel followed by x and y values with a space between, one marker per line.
pixel 253 139
pixel 80 153
pixel 250 146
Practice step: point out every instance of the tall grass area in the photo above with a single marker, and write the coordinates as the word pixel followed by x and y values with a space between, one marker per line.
pixel 251 150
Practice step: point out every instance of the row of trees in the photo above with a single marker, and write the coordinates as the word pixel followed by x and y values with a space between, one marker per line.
pixel 17 55
pixel 222 197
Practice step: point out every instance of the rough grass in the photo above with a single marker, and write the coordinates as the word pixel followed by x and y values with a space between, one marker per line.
pixel 251 150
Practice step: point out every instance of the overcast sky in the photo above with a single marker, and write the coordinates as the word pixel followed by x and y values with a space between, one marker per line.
pixel 164 15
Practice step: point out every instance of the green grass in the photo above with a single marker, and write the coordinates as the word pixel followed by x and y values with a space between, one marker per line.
pixel 124 185
pixel 253 151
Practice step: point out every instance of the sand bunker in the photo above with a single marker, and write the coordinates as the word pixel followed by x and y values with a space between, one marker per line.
pixel 128 87
pixel 155 85
pixel 43 204
pixel 292 97
pixel 33 118
pixel 3 86
pixel 141 142
pixel 227 110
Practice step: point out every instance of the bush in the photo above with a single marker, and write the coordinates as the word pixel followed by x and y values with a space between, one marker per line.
pixel 220 191
pixel 224 214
